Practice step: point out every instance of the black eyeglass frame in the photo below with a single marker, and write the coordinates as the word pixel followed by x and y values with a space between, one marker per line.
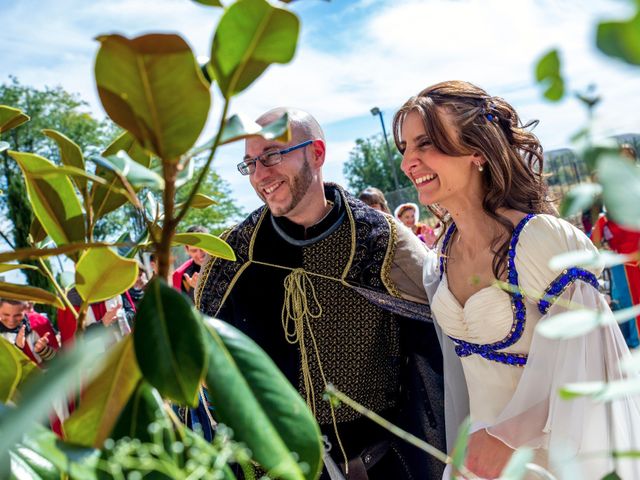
pixel 249 166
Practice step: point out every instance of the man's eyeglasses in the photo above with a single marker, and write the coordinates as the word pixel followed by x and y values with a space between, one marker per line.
pixel 268 159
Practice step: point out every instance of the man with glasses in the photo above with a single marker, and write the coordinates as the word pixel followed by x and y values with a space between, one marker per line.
pixel 331 289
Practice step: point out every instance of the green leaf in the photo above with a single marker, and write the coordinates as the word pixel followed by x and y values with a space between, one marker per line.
pixel 30 252
pixel 575 323
pixel 55 170
pixel 267 413
pixel 460 447
pixel 620 39
pixel 250 36
pixel 22 470
pixel 169 344
pixel 210 3
pixel 200 200
pixel 136 174
pixel 127 142
pixel 586 258
pixel 601 391
pixel 36 231
pixel 152 86
pixel 38 396
pixel 612 476
pixel 620 181
pixel 11 117
pixel 4 146
pixel 143 408
pixel 517 466
pixel 237 128
pixel 67 280
pixel 15 369
pixel 70 155
pixel 25 292
pixel 77 462
pixel 53 199
pixel 6 267
pixel 104 398
pixel 549 76
pixel 211 244
pixel 102 274
pixel 579 198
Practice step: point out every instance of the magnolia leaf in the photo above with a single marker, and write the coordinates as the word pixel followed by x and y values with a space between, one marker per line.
pixel 27 253
pixel 37 232
pixel 144 407
pixel 11 117
pixel 250 36
pixel 27 293
pixel 236 128
pixel 268 414
pixel 102 274
pixel 517 466
pixel 620 39
pixel 152 86
pixel 587 258
pixel 579 198
pixel 549 76
pixel 4 146
pixel 210 3
pixel 200 200
pixel 169 343
pixel 211 244
pixel 104 398
pixel 51 172
pixel 612 476
pixel 70 155
pixel 620 181
pixel 15 369
pixel 6 267
pixel 67 280
pixel 575 323
pixel 127 142
pixel 53 199
pixel 137 175
pixel 601 391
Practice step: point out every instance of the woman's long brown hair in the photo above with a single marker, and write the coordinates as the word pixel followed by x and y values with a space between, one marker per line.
pixel 513 172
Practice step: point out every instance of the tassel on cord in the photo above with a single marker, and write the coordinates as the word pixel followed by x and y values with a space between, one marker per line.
pixel 296 314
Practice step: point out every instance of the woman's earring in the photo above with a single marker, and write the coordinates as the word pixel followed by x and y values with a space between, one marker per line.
pixel 480 167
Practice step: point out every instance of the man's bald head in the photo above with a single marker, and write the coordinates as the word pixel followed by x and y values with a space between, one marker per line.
pixel 303 125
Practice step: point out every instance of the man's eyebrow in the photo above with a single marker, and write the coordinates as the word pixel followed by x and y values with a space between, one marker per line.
pixel 266 149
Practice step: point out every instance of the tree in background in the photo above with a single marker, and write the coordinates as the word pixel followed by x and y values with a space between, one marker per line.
pixel 368 166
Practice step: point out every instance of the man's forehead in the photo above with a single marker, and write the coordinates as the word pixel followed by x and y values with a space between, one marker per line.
pixel 257 145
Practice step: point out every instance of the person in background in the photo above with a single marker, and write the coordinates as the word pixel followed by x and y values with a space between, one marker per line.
pixel 137 290
pixel 408 214
pixel 374 197
pixel 185 278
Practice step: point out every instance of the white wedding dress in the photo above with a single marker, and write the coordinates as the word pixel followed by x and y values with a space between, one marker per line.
pixel 506 376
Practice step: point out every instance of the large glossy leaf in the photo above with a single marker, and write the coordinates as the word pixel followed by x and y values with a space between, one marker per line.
pixel 251 35
pixel 36 231
pixel 27 293
pixel 26 253
pixel 70 155
pixel 104 398
pixel 152 87
pixel 549 76
pixel 460 447
pixel 73 172
pixel 200 200
pixel 11 117
pixel 169 343
pixel 211 244
pixel 6 267
pixel 15 369
pixel 210 3
pixel 53 199
pixel 39 395
pixel 137 175
pixel 620 181
pixel 238 128
pixel 517 466
pixel 587 258
pixel 267 413
pixel 621 39
pixel 602 391
pixel 102 274
pixel 575 323
pixel 579 198
pixel 143 408
pixel 77 462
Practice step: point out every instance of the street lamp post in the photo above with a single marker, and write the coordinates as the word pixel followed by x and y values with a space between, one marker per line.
pixel 376 111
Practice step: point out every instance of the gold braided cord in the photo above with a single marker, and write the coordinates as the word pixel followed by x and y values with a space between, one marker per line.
pixel 296 310
pixel 388 259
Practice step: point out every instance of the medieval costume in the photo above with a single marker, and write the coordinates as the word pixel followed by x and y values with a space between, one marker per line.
pixel 365 329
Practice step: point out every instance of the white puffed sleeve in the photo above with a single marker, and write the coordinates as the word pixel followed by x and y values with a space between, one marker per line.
pixel 536 416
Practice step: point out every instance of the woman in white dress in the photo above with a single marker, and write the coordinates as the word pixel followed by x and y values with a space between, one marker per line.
pixel 480 171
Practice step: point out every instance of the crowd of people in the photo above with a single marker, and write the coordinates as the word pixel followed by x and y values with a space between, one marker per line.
pixel 405 317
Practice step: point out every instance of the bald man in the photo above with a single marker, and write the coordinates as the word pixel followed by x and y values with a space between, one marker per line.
pixel 366 328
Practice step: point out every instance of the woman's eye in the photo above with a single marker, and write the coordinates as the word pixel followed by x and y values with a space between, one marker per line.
pixel 424 143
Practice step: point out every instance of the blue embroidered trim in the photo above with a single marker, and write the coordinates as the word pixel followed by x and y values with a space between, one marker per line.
pixel 560 284
pixel 489 351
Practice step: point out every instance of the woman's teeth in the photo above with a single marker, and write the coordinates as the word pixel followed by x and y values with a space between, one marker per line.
pixel 425 178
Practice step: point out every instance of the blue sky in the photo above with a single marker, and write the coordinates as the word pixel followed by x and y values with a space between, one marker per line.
pixel 353 55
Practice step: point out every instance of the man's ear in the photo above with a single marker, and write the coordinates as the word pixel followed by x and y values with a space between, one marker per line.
pixel 319 150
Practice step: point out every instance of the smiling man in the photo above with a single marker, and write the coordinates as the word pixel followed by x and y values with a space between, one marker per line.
pixel 331 289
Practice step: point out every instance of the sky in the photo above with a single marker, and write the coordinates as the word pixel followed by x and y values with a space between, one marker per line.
pixel 352 55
